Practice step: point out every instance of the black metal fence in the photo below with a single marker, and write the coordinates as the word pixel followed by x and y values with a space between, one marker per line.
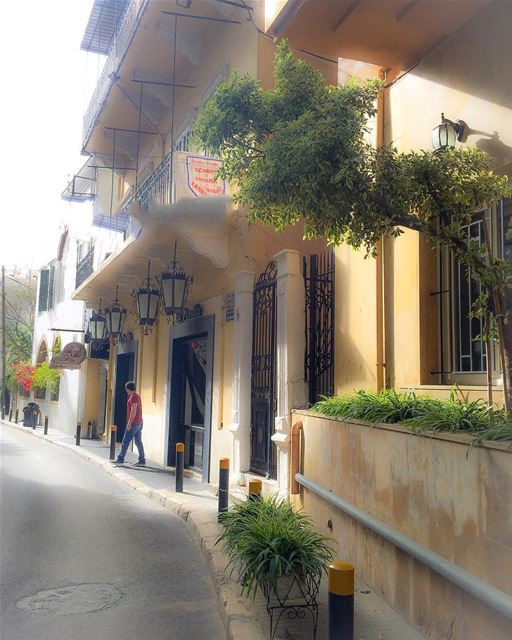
pixel 319 357
pixel 84 268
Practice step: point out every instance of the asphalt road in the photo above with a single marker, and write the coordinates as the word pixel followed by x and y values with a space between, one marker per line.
pixel 83 557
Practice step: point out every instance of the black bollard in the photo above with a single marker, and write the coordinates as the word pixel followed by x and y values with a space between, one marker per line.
pixel 180 463
pixel 113 432
pixel 78 431
pixel 255 487
pixel 16 416
pixel 45 426
pixel 341 601
pixel 223 484
pixel 10 415
pixel 34 420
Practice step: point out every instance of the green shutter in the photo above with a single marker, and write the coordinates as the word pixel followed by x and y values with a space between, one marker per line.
pixel 44 281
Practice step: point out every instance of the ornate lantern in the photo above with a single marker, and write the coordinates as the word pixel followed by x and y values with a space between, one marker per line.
pixel 174 290
pixel 116 316
pixel 147 302
pixel 445 134
pixel 98 325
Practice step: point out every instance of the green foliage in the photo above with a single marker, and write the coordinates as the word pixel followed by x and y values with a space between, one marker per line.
pixel 44 377
pixel 421 414
pixel 266 539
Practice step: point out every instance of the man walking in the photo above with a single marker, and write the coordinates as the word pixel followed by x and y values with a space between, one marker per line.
pixel 133 425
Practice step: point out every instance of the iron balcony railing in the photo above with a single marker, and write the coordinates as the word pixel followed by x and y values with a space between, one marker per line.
pixel 124 37
pixel 157 188
pixel 84 268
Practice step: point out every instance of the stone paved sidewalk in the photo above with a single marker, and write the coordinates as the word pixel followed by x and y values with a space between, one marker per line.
pixel 197 506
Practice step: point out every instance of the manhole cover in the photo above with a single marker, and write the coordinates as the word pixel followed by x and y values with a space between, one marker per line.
pixel 77 598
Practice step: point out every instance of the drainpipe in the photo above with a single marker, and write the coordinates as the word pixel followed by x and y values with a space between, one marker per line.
pixel 295 458
pixel 379 262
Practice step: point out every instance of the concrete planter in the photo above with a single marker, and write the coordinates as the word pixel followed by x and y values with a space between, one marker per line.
pixel 456 502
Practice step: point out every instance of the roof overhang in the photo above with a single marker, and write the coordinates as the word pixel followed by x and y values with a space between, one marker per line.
pixel 394 34
pixel 103 25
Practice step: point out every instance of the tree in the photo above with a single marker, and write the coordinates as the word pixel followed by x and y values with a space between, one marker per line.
pixel 300 152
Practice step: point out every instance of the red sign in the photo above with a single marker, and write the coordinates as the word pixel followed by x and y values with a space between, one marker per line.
pixel 201 178
pixel 70 357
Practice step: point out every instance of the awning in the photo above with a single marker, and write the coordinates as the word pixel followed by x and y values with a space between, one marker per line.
pixel 103 25
pixel 82 186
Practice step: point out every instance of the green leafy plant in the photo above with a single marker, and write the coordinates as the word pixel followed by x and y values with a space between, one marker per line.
pixel 45 377
pixel 421 414
pixel 266 539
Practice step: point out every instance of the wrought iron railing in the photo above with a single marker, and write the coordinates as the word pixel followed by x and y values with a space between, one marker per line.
pixel 123 39
pixel 157 187
pixel 84 268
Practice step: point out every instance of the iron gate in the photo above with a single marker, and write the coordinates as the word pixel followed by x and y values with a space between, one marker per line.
pixel 263 454
pixel 319 356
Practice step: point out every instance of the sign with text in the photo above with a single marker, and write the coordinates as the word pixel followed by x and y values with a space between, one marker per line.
pixel 196 176
pixel 71 357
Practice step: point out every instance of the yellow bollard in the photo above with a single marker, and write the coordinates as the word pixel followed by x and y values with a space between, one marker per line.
pixel 341 601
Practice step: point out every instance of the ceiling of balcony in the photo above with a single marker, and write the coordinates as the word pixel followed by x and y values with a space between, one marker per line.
pixel 391 33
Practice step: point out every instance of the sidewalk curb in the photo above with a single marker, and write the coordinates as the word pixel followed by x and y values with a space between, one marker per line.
pixel 240 622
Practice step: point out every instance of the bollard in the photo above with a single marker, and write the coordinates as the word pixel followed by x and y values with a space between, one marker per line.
pixel 341 601
pixel 113 442
pixel 10 415
pixel 78 430
pixel 180 463
pixel 45 425
pixel 34 420
pixel 223 484
pixel 255 487
pixel 16 416
pixel 3 413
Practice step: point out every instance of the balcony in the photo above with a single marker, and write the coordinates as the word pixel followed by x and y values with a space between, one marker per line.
pixel 84 268
pixel 130 22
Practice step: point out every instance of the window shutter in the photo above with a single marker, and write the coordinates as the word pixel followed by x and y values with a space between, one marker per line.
pixel 44 278
pixel 51 286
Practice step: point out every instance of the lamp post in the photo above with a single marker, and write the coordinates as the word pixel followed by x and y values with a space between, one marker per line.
pixel 174 290
pixel 147 302
pixel 447 133
pixel 115 317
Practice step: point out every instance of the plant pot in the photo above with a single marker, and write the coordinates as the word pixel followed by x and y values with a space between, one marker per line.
pixel 289 589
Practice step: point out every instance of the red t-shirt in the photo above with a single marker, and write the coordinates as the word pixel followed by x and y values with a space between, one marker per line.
pixel 134 399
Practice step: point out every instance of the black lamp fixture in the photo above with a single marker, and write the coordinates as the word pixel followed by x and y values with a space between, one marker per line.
pixel 447 133
pixel 116 316
pixel 147 302
pixel 98 325
pixel 174 290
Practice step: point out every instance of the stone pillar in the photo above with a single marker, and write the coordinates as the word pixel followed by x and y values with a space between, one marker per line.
pixel 290 341
pixel 242 361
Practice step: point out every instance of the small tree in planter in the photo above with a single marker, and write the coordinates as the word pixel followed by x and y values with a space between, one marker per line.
pixel 275 549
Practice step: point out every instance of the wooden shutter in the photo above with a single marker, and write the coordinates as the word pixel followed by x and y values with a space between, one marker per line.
pixel 44 281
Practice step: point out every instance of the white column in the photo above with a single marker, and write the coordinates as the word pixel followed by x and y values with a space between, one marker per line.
pixel 240 425
pixel 290 342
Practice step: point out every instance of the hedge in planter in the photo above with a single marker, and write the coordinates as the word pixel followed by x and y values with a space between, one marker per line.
pixel 267 540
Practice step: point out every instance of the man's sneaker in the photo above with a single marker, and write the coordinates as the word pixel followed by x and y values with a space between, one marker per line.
pixel 139 464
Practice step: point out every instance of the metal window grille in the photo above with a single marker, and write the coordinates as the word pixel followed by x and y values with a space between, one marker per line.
pixel 84 267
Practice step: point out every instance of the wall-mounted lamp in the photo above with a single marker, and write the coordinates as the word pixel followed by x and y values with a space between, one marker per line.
pixel 98 325
pixel 447 133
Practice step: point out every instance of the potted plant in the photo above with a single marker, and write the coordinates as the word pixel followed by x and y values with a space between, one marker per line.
pixel 274 548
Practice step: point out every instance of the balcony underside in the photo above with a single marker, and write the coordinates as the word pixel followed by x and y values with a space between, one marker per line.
pixel 392 33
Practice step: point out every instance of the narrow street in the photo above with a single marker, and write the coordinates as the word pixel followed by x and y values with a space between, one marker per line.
pixel 83 556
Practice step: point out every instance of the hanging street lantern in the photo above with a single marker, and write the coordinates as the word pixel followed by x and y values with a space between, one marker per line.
pixel 116 316
pixel 174 291
pixel 98 325
pixel 447 133
pixel 147 302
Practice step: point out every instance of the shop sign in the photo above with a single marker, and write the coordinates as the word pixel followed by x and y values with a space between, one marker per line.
pixel 70 357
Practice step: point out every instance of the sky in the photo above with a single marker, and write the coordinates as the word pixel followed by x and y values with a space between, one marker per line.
pixel 46 84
